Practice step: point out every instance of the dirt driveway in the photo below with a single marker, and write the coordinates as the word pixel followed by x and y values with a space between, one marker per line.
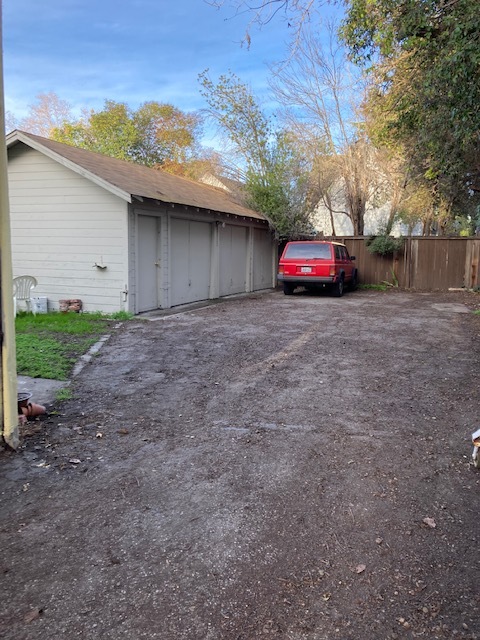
pixel 269 467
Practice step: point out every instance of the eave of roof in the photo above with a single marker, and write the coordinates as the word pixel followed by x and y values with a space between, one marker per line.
pixel 127 180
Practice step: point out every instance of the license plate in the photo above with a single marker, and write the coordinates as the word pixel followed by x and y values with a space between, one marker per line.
pixel 306 269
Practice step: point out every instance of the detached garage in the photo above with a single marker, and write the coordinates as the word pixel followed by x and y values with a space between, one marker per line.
pixel 120 236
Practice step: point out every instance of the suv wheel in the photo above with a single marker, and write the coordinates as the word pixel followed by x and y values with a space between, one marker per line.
pixel 354 282
pixel 288 288
pixel 337 289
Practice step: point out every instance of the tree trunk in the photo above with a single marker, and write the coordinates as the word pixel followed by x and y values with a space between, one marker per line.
pixel 391 218
pixel 358 227
pixel 328 203
pixel 357 213
pixel 356 203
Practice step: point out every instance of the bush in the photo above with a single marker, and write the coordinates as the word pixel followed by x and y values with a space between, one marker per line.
pixel 384 245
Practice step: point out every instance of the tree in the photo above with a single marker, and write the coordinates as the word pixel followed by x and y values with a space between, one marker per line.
pixel 165 134
pixel 275 175
pixel 322 101
pixel 296 13
pixel 154 135
pixel 10 122
pixel 47 113
pixel 281 192
pixel 235 109
pixel 110 131
pixel 424 58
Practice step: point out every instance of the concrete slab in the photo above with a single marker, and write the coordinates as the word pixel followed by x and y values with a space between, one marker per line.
pixel 160 314
pixel 43 391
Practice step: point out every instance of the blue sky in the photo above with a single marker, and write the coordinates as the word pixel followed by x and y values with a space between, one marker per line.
pixel 131 51
pixel 127 50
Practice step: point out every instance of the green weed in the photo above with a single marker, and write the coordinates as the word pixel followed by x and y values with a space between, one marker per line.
pixel 64 394
pixel 121 315
pixel 374 287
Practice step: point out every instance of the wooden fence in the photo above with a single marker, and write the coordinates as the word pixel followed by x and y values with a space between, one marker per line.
pixel 424 263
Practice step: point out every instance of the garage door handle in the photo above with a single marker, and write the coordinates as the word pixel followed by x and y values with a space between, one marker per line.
pixel 157 264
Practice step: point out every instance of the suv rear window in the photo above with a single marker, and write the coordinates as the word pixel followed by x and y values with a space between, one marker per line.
pixel 308 251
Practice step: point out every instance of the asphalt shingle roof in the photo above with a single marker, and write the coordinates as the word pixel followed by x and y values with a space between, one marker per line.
pixel 138 180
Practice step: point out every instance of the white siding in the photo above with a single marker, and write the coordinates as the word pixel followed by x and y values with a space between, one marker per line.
pixel 376 218
pixel 62 224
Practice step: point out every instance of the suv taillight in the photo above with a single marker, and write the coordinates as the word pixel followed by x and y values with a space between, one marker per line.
pixel 281 269
pixel 332 270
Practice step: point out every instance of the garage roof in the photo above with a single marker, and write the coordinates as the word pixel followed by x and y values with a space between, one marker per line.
pixel 128 180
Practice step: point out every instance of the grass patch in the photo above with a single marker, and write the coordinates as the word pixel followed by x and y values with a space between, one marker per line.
pixel 48 345
pixel 45 357
pixel 374 287
pixel 121 315
pixel 61 323
pixel 477 312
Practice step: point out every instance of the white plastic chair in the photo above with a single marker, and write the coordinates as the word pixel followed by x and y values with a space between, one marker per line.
pixel 22 290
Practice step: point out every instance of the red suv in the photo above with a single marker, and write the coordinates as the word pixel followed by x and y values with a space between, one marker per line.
pixel 314 264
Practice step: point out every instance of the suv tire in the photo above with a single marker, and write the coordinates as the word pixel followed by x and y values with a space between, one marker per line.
pixel 354 282
pixel 288 288
pixel 338 288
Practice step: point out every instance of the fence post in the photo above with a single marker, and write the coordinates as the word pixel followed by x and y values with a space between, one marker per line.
pixel 472 264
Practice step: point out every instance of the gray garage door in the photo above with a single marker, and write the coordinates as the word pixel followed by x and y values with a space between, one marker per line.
pixel 190 260
pixel 233 259
pixel 262 259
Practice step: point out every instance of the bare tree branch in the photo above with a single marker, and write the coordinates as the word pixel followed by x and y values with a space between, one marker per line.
pixel 11 122
pixel 47 113
pixel 322 99
pixel 297 13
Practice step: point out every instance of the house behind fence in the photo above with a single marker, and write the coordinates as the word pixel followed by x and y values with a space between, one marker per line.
pixel 424 263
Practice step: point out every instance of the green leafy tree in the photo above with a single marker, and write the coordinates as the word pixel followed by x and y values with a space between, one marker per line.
pixel 235 109
pixel 110 131
pixel 165 134
pixel 281 192
pixel 275 174
pixel 424 56
pixel 154 134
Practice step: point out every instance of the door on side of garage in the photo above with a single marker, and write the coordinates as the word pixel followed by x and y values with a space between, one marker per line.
pixel 262 260
pixel 190 260
pixel 233 259
pixel 148 263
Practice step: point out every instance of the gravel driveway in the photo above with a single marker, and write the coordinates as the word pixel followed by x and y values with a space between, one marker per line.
pixel 268 467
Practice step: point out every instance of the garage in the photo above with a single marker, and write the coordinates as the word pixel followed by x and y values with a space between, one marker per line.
pixel 143 239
